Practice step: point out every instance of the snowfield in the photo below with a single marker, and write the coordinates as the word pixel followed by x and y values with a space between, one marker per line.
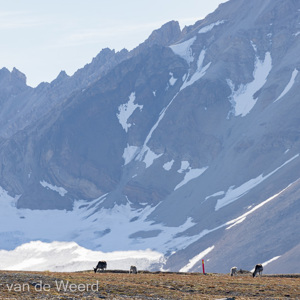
pixel 184 50
pixel 52 240
pixel 126 110
pixel 70 257
pixel 234 194
pixel 289 85
pixel 208 28
pixel 242 98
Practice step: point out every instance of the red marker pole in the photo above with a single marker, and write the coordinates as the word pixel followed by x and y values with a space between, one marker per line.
pixel 203 266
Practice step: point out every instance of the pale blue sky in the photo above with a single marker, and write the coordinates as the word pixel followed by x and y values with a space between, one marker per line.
pixel 41 38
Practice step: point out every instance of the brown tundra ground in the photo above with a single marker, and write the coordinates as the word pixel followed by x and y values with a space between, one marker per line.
pixel 145 285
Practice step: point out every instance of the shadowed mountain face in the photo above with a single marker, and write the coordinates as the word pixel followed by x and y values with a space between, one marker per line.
pixel 190 143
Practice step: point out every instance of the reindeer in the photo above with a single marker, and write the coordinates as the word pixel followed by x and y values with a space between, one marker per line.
pixel 233 271
pixel 133 270
pixel 258 269
pixel 102 265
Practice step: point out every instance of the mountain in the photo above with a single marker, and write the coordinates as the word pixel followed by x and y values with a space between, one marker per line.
pixel 187 145
pixel 24 105
pixel 11 83
pixel 27 105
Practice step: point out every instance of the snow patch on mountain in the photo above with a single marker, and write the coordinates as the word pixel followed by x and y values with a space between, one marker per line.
pixel 168 165
pixel 253 46
pixel 126 110
pixel 150 156
pixel 90 225
pixel 189 175
pixel 70 257
pixel 243 217
pixel 54 188
pixel 184 50
pixel 242 99
pixel 6 201
pixel 289 85
pixel 269 261
pixel 236 221
pixel 196 259
pixel 108 229
pixel 129 154
pixel 145 148
pixel 221 193
pixel 200 72
pixel 184 166
pixel 172 80
pixel 234 194
pixel 210 27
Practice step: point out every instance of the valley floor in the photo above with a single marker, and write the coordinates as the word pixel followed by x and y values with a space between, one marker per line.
pixel 145 285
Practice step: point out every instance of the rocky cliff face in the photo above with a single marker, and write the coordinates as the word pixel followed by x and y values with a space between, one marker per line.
pixel 11 84
pixel 33 104
pixel 168 34
pixel 191 141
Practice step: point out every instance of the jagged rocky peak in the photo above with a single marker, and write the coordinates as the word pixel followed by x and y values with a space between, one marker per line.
pixel 61 78
pixel 104 55
pixel 164 36
pixel 167 34
pixel 14 76
pixel 11 83
pixel 18 75
pixel 4 72
pixel 62 75
pixel 105 60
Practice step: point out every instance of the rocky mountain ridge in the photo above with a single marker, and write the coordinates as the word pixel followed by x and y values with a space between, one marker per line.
pixel 31 104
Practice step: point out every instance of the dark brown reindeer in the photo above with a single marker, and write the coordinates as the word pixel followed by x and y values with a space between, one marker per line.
pixel 258 269
pixel 102 265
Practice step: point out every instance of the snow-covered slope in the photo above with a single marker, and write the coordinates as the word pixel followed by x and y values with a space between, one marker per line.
pixel 114 229
pixel 70 257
